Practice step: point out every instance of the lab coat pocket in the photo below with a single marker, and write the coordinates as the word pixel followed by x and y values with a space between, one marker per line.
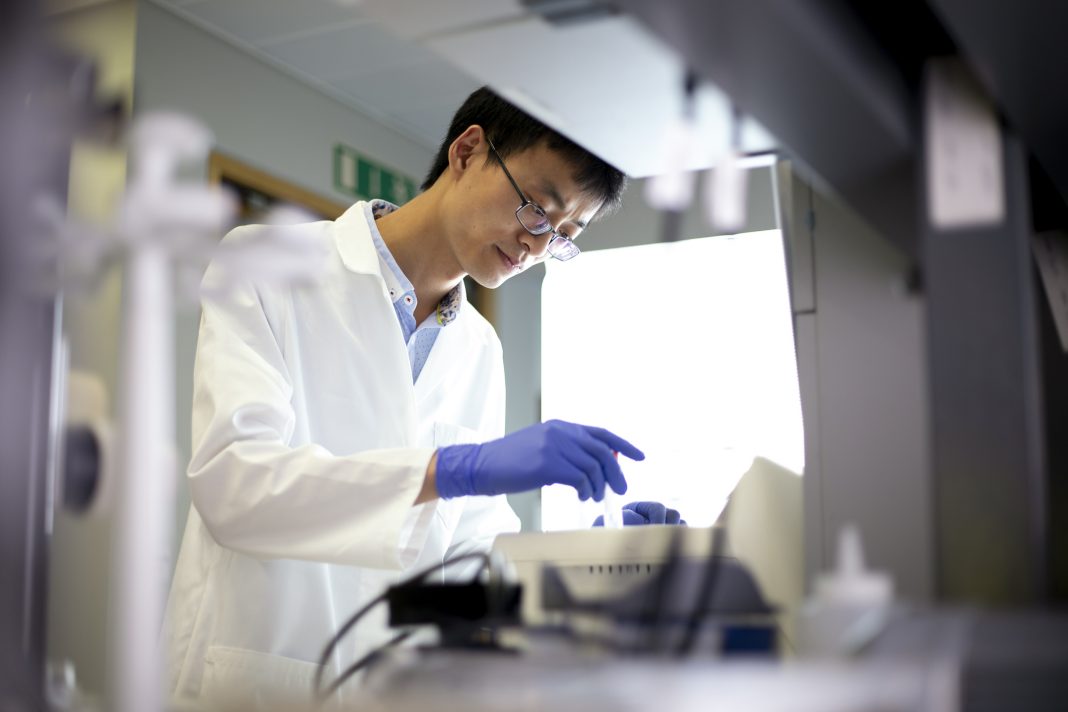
pixel 239 679
pixel 452 434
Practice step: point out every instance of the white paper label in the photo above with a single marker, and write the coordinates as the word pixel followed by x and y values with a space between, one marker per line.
pixel 965 175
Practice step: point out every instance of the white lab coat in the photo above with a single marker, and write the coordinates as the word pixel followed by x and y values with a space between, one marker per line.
pixel 310 443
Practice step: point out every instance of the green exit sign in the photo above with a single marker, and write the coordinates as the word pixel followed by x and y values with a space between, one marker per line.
pixel 357 176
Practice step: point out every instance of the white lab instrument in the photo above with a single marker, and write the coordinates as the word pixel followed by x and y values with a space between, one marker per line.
pixel 155 217
pixel 597 563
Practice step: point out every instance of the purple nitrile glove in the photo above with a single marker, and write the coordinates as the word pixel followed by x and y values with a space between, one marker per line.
pixel 554 452
pixel 639 513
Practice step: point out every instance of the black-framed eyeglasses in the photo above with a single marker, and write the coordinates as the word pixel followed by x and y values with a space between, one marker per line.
pixel 534 220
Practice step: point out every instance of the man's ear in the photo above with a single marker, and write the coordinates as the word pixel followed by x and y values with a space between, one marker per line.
pixel 466 148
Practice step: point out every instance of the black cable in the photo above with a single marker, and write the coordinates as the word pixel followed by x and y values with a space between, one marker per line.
pixel 364 662
pixel 337 638
pixel 355 617
pixel 707 588
pixel 654 615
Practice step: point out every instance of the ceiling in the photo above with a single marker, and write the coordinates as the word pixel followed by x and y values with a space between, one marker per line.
pixel 343 52
pixel 605 82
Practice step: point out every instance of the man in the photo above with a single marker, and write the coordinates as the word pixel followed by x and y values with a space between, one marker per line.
pixel 334 427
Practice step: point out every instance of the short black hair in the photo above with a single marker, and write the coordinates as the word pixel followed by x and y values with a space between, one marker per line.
pixel 512 130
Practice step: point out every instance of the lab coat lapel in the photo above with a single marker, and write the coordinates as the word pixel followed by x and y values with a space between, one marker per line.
pixel 448 350
pixel 354 243
pixel 357 250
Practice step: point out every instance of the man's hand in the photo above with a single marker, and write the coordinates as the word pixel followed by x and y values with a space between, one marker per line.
pixel 639 513
pixel 554 452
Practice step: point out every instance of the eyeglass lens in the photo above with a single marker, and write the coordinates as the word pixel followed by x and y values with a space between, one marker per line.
pixel 562 249
pixel 534 219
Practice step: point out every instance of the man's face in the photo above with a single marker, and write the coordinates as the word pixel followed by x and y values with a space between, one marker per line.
pixel 486 239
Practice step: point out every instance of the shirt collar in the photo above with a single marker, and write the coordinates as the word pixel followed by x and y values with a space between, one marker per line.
pixel 398 284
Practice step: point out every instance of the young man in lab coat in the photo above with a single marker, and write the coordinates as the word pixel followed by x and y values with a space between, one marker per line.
pixel 335 427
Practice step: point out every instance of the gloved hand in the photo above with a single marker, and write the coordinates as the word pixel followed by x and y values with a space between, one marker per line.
pixel 554 452
pixel 638 513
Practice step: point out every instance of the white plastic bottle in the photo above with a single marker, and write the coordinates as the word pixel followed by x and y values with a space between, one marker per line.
pixel 850 606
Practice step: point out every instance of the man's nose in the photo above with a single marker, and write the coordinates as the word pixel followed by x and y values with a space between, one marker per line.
pixel 537 245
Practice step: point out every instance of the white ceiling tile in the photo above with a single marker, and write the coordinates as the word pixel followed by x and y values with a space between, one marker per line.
pixel 401 89
pixel 340 53
pixel 419 18
pixel 256 21
pixel 430 122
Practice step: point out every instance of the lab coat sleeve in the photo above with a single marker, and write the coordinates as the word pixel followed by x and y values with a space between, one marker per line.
pixel 260 496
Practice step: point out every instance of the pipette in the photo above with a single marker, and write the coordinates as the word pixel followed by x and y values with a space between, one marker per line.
pixel 613 507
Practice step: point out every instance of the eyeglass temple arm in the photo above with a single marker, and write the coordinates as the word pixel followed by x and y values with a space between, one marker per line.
pixel 504 168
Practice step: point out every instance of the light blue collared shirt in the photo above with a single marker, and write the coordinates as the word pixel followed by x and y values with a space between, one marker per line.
pixel 419 338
